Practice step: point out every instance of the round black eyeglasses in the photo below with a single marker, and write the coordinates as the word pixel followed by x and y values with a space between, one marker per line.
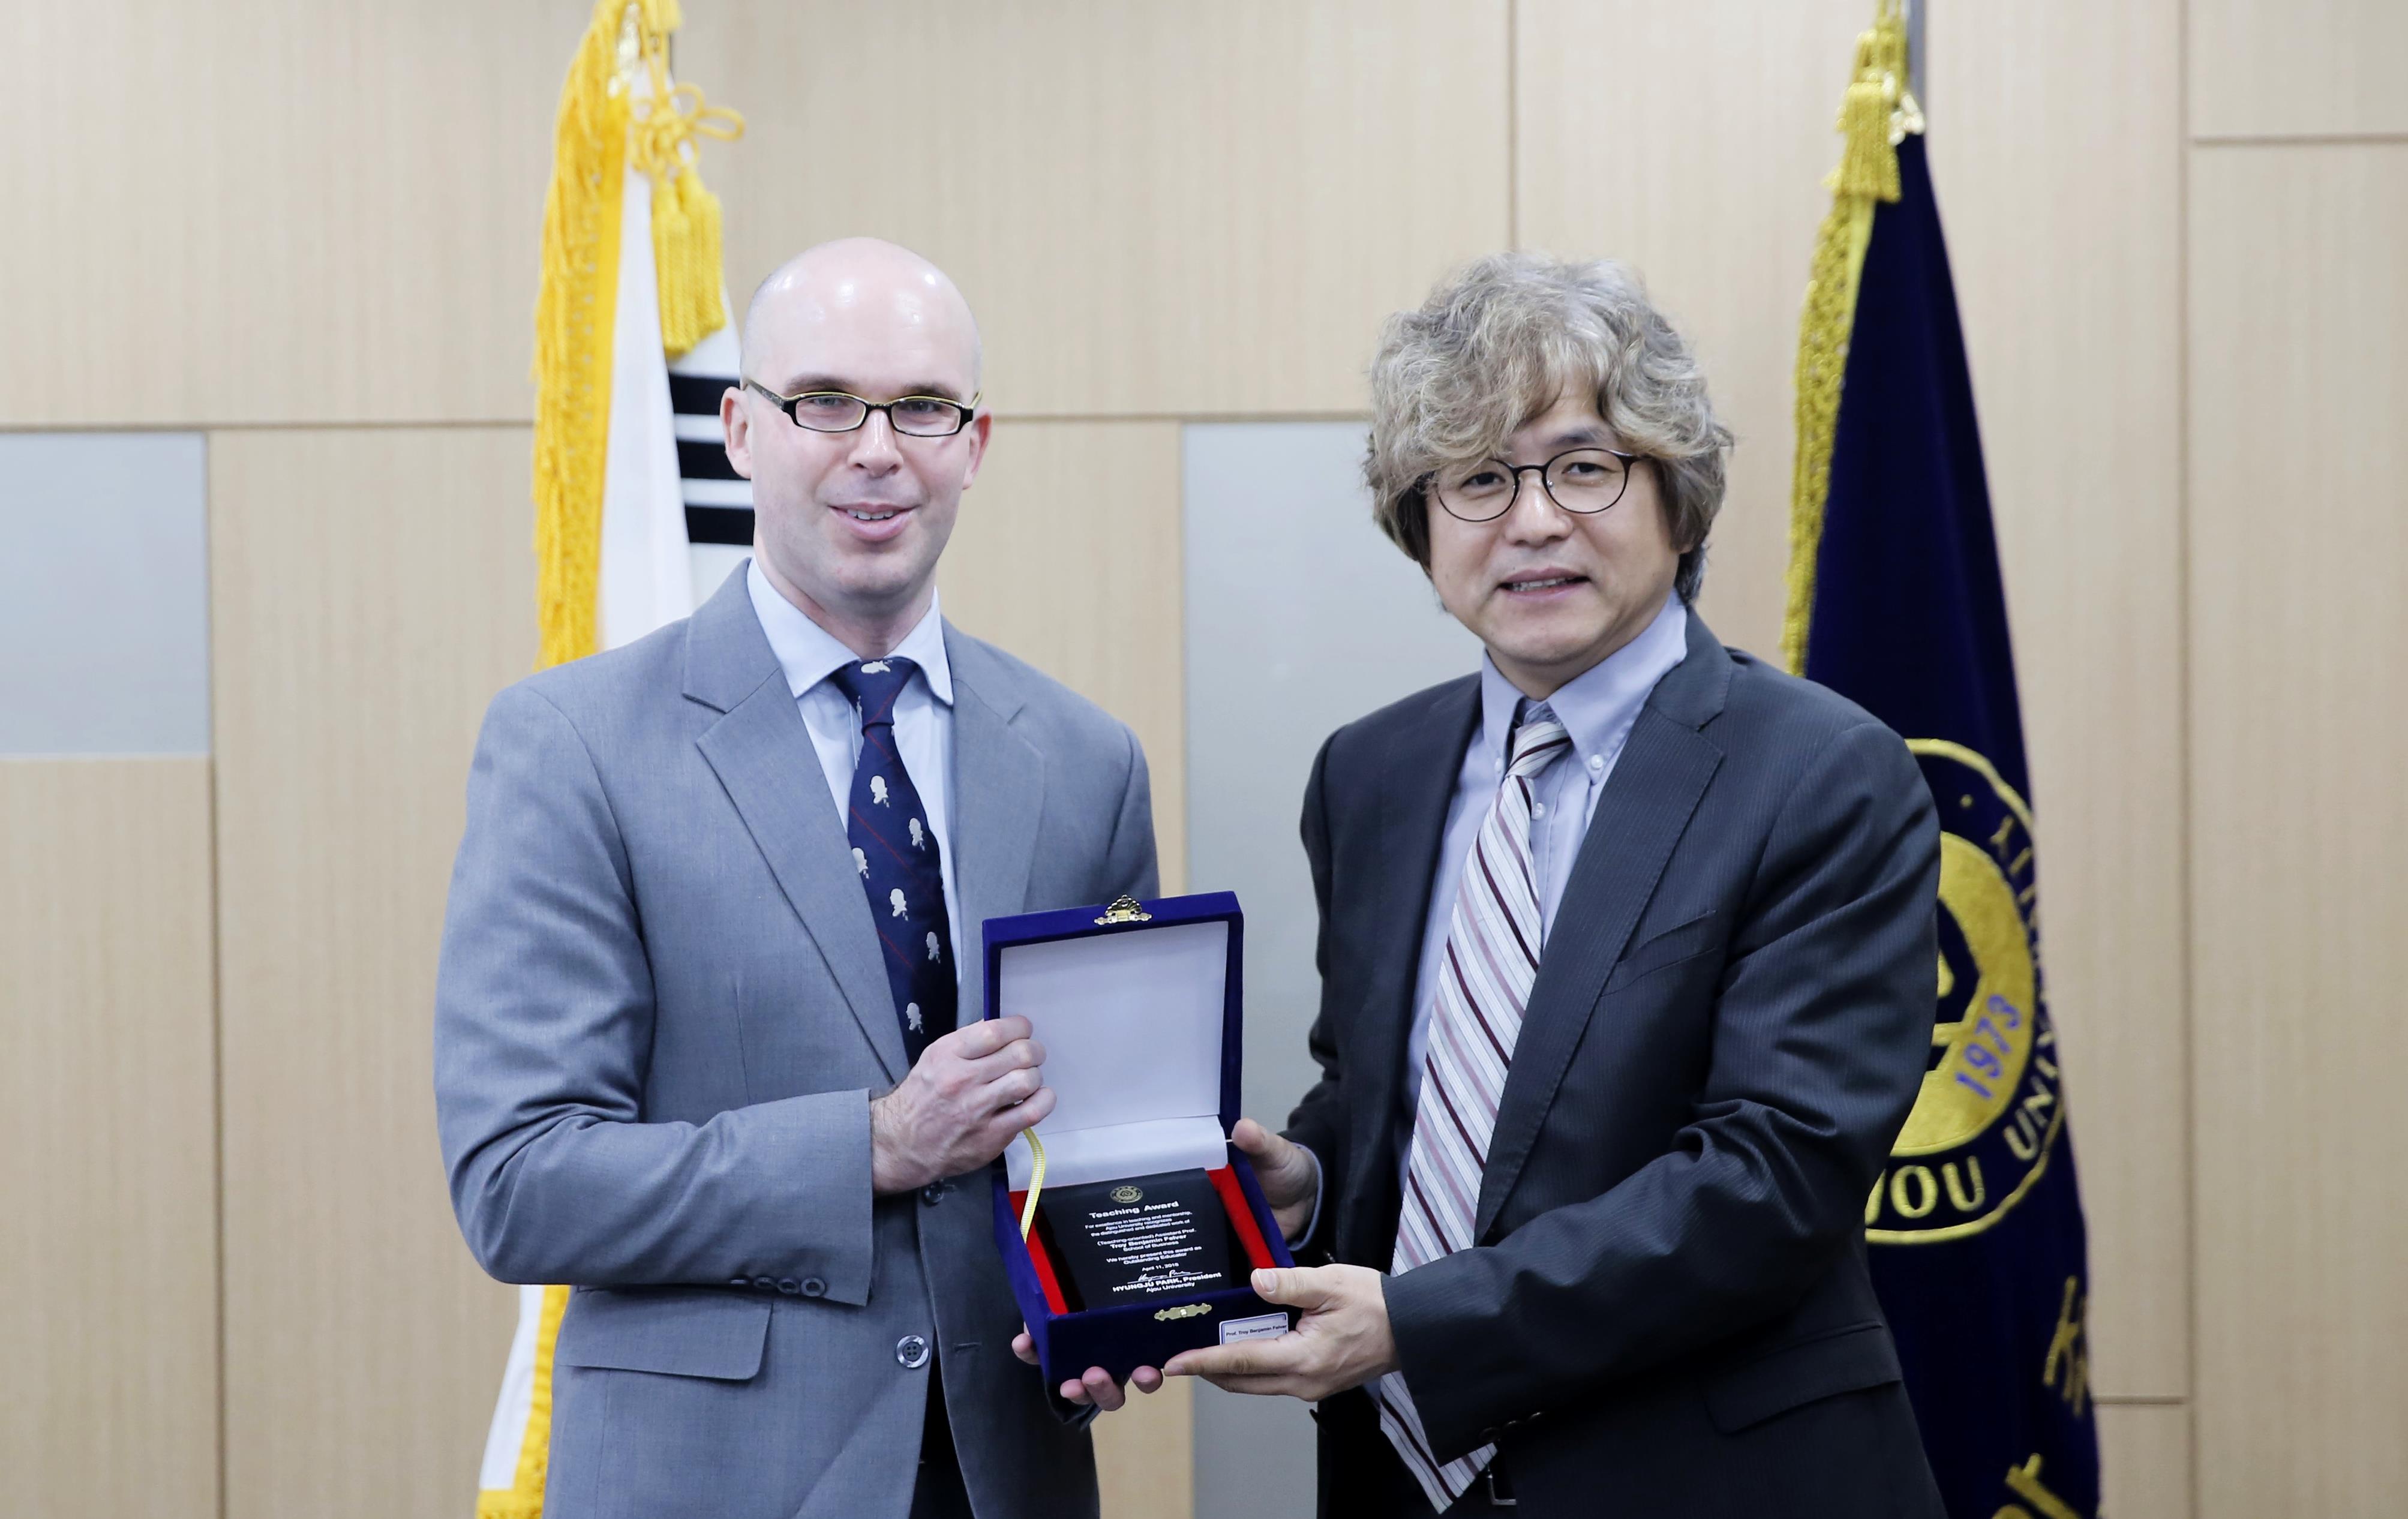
pixel 1584 480
pixel 840 412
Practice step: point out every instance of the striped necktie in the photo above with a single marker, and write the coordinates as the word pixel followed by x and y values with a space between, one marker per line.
pixel 1492 957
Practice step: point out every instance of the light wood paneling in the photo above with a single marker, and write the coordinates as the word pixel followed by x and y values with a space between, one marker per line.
pixel 1691 141
pixel 1145 1455
pixel 276 210
pixel 1068 555
pixel 372 589
pixel 1154 208
pixel 107 1112
pixel 2330 67
pixel 2144 1461
pixel 2058 172
pixel 2298 376
pixel 2063 229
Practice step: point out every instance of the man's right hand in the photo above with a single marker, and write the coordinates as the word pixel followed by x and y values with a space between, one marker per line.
pixel 1290 1177
pixel 971 1091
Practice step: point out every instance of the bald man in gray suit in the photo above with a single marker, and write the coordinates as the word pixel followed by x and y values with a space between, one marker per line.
pixel 708 1042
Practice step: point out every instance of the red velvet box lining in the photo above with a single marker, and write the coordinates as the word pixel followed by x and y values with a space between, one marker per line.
pixel 1233 1198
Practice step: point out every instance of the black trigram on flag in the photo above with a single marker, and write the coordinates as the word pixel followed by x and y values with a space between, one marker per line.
pixel 717 500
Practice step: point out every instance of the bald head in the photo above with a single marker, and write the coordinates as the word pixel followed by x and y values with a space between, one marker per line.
pixel 848 525
pixel 858 289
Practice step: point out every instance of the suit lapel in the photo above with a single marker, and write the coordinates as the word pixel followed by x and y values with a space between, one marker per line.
pixel 1654 790
pixel 999 797
pixel 761 754
pixel 1413 798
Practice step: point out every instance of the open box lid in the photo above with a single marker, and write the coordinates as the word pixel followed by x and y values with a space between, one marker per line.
pixel 1138 1008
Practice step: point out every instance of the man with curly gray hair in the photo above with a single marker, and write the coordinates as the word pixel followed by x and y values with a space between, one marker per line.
pixel 1627 947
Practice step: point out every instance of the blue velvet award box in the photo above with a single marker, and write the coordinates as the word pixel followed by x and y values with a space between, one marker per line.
pixel 1146 1221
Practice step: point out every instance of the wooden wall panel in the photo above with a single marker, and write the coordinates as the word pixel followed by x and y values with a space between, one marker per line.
pixel 109 1325
pixel 276 210
pixel 2322 68
pixel 1067 554
pixel 1145 1455
pixel 2058 172
pixel 1154 208
pixel 2062 229
pixel 2145 1459
pixel 1691 141
pixel 2299 736
pixel 372 590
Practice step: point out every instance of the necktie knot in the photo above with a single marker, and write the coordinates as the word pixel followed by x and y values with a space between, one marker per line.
pixel 1537 743
pixel 873 685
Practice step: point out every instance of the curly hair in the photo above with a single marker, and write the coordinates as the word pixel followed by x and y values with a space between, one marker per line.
pixel 1502 339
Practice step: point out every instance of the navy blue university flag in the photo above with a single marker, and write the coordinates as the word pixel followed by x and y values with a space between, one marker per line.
pixel 1895 602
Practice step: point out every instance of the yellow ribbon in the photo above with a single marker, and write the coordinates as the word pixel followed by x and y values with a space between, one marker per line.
pixel 1035 1183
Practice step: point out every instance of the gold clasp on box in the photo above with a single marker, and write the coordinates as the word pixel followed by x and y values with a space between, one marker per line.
pixel 1124 909
pixel 1185 1311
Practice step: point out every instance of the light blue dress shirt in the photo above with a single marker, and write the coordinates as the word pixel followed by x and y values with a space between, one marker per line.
pixel 1598 709
pixel 923 715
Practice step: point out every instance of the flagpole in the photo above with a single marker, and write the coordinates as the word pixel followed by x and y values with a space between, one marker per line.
pixel 1915 80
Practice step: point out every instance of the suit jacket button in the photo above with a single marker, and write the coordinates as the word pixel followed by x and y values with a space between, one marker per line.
pixel 766 1283
pixel 789 1285
pixel 814 1287
pixel 911 1353
pixel 930 1193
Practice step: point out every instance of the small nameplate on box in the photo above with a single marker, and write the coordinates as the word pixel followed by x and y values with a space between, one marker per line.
pixel 1145 1237
pixel 1261 1326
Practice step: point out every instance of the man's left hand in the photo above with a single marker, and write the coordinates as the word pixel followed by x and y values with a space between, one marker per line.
pixel 1340 1342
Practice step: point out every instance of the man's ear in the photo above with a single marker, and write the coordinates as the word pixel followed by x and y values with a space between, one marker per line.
pixel 981 427
pixel 739 428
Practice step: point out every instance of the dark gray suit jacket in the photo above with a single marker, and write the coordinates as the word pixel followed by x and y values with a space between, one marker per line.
pixel 659 1020
pixel 1669 1309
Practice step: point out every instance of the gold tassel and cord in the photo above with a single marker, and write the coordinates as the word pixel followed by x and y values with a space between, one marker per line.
pixel 1875 116
pixel 604 127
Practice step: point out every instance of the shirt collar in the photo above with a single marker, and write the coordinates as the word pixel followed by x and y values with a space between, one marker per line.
pixel 810 653
pixel 1598 706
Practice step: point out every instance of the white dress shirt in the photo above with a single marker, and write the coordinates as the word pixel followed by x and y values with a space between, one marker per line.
pixel 923 715
pixel 1598 709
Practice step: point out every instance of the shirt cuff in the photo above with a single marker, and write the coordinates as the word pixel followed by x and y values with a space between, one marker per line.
pixel 1314 1221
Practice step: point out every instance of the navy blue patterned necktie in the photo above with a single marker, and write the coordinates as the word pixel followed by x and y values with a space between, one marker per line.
pixel 895 853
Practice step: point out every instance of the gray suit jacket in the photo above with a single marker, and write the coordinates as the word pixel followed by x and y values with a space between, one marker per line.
pixel 660 1017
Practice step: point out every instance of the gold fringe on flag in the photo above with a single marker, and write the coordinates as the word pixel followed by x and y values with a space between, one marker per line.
pixel 1875 116
pixel 602 122
pixel 524 1499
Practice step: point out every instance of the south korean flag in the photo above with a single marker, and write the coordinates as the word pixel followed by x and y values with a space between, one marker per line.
pixel 676 517
pixel 718 501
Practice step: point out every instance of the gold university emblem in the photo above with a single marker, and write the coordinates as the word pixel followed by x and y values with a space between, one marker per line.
pixel 1988 1115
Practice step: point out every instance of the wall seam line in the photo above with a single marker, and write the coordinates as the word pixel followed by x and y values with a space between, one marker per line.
pixel 1513 123
pixel 2186 982
pixel 1194 414
pixel 2301 139
pixel 216 975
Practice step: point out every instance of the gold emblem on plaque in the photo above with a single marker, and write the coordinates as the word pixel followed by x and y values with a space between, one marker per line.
pixel 1127 1195
pixel 1124 909
pixel 1184 1310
